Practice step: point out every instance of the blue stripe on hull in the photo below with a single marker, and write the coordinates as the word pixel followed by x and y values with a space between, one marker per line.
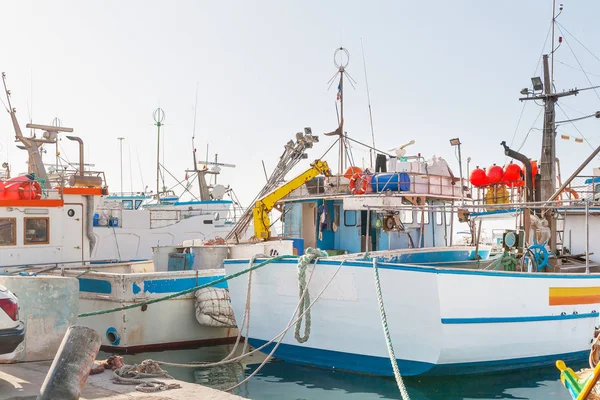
pixel 381 365
pixel 503 320
pixel 434 257
pixel 342 361
pixel 175 284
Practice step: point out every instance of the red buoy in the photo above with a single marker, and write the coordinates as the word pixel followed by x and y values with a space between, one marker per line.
pixel 512 175
pixel 534 169
pixel 478 177
pixel 494 174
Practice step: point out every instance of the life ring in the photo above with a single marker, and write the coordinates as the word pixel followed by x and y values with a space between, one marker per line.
pixel 30 190
pixel 362 186
pixel 572 192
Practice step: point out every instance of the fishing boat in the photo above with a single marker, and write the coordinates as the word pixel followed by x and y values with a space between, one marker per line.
pixel 129 225
pixel 440 318
pixel 46 231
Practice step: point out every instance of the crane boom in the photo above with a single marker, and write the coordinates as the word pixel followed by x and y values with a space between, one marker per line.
pixel 262 208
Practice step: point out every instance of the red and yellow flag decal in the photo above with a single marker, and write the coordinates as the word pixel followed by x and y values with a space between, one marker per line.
pixel 563 296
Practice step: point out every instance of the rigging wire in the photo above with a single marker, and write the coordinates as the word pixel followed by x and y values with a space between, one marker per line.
pixel 580 66
pixel 525 103
pixel 575 126
pixel 577 69
pixel 527 137
pixel 531 129
pixel 577 111
pixel 518 123
pixel 543 48
pixel 577 40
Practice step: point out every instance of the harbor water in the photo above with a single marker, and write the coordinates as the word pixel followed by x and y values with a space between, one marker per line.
pixel 285 381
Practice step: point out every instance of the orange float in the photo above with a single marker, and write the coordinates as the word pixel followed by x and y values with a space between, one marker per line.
pixel 351 171
pixel 358 184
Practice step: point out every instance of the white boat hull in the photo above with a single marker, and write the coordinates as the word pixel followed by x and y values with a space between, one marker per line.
pixel 167 324
pixel 442 321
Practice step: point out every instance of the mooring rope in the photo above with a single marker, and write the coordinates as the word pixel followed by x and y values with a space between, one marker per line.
pixel 278 337
pixel 303 262
pixel 386 332
pixel 183 292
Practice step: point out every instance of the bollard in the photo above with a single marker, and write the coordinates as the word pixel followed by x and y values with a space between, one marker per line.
pixel 72 364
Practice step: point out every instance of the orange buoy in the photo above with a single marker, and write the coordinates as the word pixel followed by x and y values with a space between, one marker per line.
pixel 478 177
pixel 512 172
pixel 495 174
pixel 351 171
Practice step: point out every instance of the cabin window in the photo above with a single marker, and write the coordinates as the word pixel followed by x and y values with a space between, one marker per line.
pixel 37 231
pixel 127 204
pixel 337 209
pixel 406 217
pixel 350 218
pixel 438 218
pixel 8 231
pixel 208 222
pixel 448 218
pixel 422 217
pixel 138 203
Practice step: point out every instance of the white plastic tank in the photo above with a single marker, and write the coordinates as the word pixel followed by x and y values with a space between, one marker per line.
pixel 209 257
pixel 160 257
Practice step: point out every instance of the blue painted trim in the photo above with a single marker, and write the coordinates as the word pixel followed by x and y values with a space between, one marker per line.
pixel 500 320
pixel 95 286
pixel 497 212
pixel 190 203
pixel 115 197
pixel 431 270
pixel 381 365
pixel 117 261
pixel 175 284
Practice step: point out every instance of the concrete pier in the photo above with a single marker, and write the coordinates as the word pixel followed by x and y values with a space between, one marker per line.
pixel 23 382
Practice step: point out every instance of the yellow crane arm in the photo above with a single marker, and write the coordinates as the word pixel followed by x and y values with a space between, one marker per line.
pixel 262 208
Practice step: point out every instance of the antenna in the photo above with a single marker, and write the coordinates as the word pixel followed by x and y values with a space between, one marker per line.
pixel 193 145
pixel 341 58
pixel 159 117
pixel 369 102
pixel 554 17
pixel 120 139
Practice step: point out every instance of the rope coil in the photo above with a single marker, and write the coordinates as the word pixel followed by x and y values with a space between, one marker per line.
pixel 303 262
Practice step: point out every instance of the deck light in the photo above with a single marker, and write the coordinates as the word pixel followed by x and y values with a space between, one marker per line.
pixel 537 83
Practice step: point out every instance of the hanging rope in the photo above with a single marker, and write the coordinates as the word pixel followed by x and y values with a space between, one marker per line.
pixel 386 332
pixel 303 262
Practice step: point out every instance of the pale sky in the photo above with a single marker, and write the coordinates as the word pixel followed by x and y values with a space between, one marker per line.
pixel 436 70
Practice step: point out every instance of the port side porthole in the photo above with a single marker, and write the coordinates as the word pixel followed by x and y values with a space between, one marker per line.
pixel 208 222
pixel 71 212
pixel 113 336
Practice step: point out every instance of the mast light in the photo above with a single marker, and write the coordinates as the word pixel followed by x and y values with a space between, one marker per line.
pixel 537 83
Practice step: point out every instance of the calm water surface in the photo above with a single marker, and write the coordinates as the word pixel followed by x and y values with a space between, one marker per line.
pixel 284 381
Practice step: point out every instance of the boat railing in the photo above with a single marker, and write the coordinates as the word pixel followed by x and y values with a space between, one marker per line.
pixel 405 183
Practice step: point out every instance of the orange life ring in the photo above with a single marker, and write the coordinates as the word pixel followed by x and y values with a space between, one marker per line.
pixel 30 190
pixel 362 186
pixel 572 192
